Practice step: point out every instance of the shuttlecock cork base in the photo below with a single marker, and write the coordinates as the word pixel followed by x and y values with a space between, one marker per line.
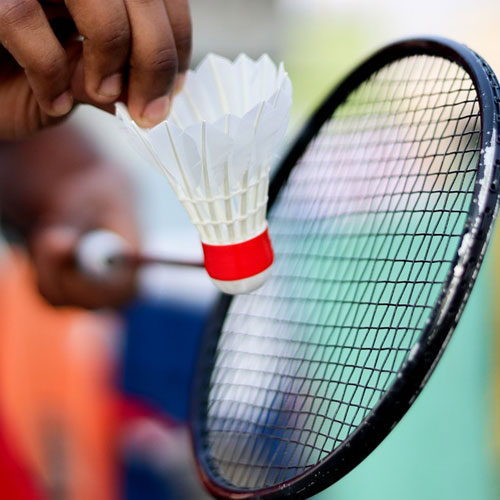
pixel 216 149
pixel 240 267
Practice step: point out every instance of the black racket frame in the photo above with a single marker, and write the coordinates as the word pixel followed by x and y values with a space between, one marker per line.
pixel 414 373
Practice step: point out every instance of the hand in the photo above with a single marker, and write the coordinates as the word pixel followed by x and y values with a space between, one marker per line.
pixel 132 50
pixel 54 188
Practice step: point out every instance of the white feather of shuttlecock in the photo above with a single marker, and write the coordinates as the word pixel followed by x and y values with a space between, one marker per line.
pixel 218 143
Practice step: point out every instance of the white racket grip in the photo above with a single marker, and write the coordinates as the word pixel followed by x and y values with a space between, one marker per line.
pixel 96 250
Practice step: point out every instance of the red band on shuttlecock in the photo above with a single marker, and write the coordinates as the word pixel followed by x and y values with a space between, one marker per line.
pixel 239 261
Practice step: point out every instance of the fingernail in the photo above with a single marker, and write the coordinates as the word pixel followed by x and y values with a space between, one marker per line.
pixel 156 110
pixel 111 86
pixel 179 83
pixel 62 104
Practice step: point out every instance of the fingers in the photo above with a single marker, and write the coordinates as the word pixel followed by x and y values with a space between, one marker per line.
pixel 139 43
pixel 61 282
pixel 26 33
pixel 51 250
pixel 153 61
pixel 180 21
pixel 106 31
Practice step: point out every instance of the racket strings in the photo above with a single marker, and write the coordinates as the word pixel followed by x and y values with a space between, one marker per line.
pixel 364 234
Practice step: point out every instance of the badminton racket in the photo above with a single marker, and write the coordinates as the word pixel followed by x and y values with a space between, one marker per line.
pixel 380 216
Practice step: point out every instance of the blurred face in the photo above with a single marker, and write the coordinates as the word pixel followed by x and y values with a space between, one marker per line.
pixel 55 187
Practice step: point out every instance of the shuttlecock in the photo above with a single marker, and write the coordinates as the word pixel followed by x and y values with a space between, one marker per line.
pixel 216 150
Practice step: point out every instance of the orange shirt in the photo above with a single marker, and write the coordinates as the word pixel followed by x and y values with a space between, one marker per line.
pixel 56 393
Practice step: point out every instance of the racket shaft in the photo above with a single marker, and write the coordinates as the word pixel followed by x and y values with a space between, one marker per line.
pixel 139 260
pixel 101 253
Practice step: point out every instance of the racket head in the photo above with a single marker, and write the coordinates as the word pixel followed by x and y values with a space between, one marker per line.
pixel 217 464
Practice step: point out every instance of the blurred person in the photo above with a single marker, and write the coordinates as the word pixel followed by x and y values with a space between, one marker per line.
pixel 64 420
pixel 54 54
pixel 55 187
pixel 57 396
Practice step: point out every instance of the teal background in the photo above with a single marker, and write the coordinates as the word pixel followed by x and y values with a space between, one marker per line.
pixel 444 447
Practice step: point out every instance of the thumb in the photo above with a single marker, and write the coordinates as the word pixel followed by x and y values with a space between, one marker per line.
pixel 55 243
pixel 20 115
pixel 52 249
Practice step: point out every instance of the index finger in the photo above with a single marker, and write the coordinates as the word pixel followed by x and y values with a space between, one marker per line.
pixel 180 21
pixel 153 61
pixel 106 32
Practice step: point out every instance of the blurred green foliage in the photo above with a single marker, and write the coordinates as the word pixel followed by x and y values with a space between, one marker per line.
pixel 317 54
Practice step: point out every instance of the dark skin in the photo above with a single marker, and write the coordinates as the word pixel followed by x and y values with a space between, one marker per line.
pixel 54 187
pixel 56 53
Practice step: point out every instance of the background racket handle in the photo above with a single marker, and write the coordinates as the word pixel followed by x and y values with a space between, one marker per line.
pixel 101 253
